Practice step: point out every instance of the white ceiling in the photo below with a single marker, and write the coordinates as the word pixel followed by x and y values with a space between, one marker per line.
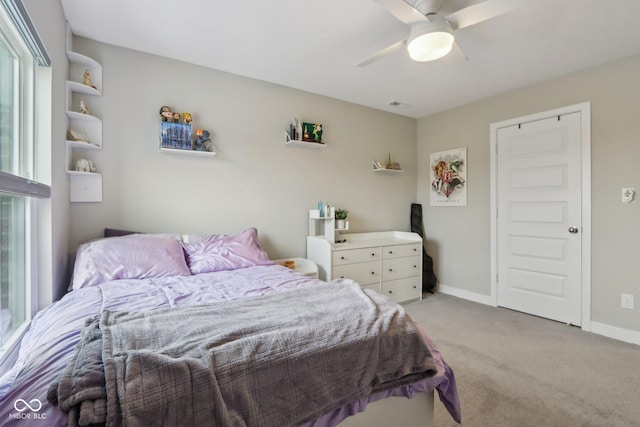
pixel 314 45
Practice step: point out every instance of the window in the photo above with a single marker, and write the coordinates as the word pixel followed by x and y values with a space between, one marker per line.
pixel 20 54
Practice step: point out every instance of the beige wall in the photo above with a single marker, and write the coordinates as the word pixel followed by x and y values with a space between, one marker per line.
pixel 255 180
pixel 50 22
pixel 458 237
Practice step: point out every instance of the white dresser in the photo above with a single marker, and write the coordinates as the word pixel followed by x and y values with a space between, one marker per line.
pixel 389 262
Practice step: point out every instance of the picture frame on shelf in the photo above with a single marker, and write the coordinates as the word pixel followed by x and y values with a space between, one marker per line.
pixel 312 132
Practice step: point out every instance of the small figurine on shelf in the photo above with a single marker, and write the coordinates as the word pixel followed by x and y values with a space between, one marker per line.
pixel 202 141
pixel 86 79
pixel 83 107
pixel 187 118
pixel 389 163
pixel 165 114
pixel 84 165
pixel 176 117
pixel 74 135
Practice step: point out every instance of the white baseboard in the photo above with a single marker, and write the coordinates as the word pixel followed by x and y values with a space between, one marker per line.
pixel 620 334
pixel 626 335
pixel 468 295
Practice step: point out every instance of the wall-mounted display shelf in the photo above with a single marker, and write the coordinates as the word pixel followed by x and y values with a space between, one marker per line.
pixel 187 152
pixel 376 167
pixel 299 143
pixel 85 78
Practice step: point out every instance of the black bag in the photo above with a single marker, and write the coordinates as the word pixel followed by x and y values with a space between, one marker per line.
pixel 429 278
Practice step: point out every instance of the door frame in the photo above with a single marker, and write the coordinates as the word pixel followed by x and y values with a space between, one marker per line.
pixel 585 152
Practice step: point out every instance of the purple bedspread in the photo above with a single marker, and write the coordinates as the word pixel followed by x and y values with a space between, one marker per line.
pixel 49 344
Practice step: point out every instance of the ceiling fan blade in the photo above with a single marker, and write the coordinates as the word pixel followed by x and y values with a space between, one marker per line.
pixel 384 52
pixel 458 53
pixel 402 11
pixel 481 12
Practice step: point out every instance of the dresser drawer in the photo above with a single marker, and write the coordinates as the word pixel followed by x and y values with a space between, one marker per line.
pixel 356 255
pixel 363 272
pixel 397 251
pixel 397 268
pixel 403 289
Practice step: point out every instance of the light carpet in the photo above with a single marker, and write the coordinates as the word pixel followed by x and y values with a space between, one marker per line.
pixel 514 369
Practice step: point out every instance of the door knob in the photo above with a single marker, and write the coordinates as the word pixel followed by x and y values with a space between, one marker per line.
pixel 573 230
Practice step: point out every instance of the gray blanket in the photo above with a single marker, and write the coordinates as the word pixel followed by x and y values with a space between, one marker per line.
pixel 281 359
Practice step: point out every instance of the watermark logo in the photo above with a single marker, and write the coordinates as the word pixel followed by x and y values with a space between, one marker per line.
pixel 27 410
pixel 22 405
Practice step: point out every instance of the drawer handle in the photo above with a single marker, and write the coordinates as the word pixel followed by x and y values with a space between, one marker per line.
pixel 342 277
pixel 373 273
pixel 390 292
pixel 415 249
pixel 390 252
pixel 415 266
pixel 373 254
pixel 391 269
pixel 341 257
pixel 415 287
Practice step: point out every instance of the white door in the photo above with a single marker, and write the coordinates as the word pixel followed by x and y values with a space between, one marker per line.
pixel 539 218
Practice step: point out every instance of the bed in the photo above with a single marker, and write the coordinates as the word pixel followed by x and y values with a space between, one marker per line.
pixel 159 329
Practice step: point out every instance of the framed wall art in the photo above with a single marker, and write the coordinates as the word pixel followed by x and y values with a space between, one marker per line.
pixel 448 178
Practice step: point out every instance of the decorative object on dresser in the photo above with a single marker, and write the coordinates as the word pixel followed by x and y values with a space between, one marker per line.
pixel 341 219
pixel 322 222
pixel 389 262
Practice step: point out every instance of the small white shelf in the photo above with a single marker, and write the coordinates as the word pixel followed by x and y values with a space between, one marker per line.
pixel 80 117
pixel 374 168
pixel 82 59
pixel 84 145
pixel 78 87
pixel 297 143
pixel 80 173
pixel 188 152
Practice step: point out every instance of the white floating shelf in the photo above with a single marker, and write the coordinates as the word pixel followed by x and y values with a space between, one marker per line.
pixel 78 87
pixel 187 152
pixel 74 115
pixel 81 59
pixel 298 143
pixel 374 168
pixel 83 145
pixel 80 173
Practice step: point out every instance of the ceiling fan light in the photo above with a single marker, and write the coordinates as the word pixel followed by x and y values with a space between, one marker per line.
pixel 430 43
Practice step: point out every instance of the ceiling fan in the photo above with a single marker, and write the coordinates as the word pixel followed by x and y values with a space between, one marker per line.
pixel 431 34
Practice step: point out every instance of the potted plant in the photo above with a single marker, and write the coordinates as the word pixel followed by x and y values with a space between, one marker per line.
pixel 341 216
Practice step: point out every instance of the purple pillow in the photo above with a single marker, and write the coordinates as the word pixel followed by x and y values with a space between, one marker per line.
pixel 127 257
pixel 218 253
